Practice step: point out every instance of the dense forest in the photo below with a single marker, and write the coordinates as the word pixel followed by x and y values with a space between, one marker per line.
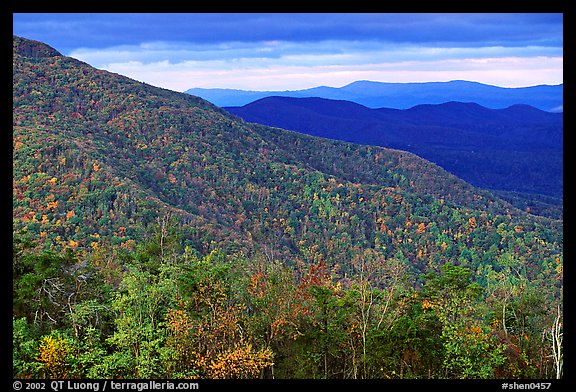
pixel 517 149
pixel 157 236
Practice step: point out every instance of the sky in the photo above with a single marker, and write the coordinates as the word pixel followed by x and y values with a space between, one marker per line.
pixel 291 51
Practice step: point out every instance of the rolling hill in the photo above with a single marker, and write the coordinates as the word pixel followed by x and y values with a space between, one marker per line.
pixel 516 149
pixel 404 95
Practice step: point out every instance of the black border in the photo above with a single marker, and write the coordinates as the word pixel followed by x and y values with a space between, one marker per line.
pixel 490 6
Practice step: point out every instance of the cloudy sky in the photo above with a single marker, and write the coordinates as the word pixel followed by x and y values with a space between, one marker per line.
pixel 294 51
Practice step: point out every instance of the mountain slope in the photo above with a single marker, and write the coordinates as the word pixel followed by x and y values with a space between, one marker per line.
pixel 404 95
pixel 158 236
pixel 518 148
pixel 98 157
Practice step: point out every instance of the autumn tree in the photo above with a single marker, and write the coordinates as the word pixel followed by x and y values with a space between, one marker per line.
pixel 56 354
pixel 275 304
pixel 214 342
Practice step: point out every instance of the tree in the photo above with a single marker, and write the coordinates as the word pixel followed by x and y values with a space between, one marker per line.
pixel 206 329
pixel 141 304
pixel 556 338
pixel 24 349
pixel 56 354
pixel 377 283
pixel 276 309
pixel 470 350
pixel 147 291
pixel 43 287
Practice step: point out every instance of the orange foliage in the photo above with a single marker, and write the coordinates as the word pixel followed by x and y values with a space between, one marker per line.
pixel 212 347
pixel 421 228
pixel 241 361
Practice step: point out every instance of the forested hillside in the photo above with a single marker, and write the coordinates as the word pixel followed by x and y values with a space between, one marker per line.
pixel 155 235
pixel 517 149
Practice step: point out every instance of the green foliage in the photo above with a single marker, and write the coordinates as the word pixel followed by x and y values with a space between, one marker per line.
pixel 157 236
pixel 24 349
pixel 470 349
pixel 195 317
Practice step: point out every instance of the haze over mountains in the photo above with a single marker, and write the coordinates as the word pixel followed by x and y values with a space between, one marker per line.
pixel 515 149
pixel 404 95
pixel 503 139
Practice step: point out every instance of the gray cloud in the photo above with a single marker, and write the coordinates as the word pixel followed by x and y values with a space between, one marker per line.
pixel 101 30
pixel 180 51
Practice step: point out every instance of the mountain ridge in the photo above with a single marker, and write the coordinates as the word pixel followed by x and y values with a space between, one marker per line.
pixel 375 94
pixel 117 128
pixel 468 139
pixel 32 48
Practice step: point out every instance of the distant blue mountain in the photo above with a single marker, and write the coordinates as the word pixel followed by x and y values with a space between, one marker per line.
pixel 404 95
pixel 517 149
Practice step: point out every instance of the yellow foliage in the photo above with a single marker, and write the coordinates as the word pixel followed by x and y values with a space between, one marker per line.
pixel 444 246
pixel 54 354
pixel 178 322
pixel 240 362
pixel 427 305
